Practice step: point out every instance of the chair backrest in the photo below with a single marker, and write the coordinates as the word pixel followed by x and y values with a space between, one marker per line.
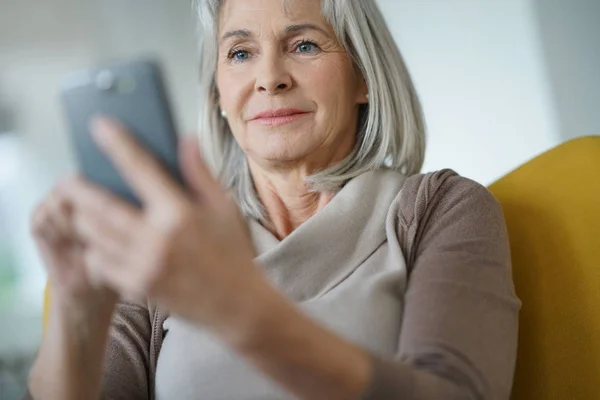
pixel 552 209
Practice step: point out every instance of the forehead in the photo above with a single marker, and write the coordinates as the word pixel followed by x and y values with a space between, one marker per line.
pixel 254 14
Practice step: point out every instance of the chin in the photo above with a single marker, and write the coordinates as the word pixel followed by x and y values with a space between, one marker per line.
pixel 281 146
pixel 275 153
pixel 276 156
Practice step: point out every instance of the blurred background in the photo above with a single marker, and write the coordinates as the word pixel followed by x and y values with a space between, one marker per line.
pixel 501 81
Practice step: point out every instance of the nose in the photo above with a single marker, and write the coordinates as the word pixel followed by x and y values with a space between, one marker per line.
pixel 272 75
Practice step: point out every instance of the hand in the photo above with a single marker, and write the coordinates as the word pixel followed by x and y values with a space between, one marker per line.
pixel 63 255
pixel 189 250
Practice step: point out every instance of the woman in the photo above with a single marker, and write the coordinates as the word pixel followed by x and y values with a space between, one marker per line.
pixel 345 275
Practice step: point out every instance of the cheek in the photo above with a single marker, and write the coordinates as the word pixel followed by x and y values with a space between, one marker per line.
pixel 330 81
pixel 226 88
pixel 232 89
pixel 323 75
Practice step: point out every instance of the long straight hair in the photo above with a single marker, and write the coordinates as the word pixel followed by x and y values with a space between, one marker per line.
pixel 391 127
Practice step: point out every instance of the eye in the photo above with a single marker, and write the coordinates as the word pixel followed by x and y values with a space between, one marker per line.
pixel 307 47
pixel 239 55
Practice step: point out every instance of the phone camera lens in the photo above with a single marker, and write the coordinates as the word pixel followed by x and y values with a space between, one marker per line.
pixel 105 80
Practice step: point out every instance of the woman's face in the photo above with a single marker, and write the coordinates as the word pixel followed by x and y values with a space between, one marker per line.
pixel 288 87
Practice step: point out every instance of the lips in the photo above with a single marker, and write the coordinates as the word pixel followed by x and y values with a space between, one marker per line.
pixel 279 116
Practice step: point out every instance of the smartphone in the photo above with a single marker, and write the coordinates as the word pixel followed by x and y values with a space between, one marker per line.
pixel 132 93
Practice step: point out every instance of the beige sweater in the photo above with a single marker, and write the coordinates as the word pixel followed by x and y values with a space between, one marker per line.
pixel 416 271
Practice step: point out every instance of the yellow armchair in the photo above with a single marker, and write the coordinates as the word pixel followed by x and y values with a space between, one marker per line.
pixel 552 209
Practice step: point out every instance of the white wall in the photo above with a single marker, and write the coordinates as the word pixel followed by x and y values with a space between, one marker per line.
pixel 479 69
pixel 570 32
pixel 39 44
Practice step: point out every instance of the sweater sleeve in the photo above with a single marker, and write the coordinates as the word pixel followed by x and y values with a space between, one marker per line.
pixel 127 367
pixel 127 363
pixel 459 331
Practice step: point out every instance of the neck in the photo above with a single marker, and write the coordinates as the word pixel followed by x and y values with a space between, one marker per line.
pixel 287 200
pixel 281 186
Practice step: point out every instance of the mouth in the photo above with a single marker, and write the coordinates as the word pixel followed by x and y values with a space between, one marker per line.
pixel 279 116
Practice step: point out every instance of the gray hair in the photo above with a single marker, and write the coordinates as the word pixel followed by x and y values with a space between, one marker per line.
pixel 391 127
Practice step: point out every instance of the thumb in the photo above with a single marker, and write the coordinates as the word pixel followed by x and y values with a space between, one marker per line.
pixel 196 174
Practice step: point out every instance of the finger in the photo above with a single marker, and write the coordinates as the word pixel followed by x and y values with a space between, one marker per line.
pixel 99 269
pixel 118 273
pixel 196 173
pixel 144 173
pixel 103 234
pixel 100 218
pixel 37 220
pixel 49 256
pixel 93 199
pixel 43 228
pixel 59 210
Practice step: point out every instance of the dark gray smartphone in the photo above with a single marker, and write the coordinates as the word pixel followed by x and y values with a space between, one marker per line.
pixel 134 94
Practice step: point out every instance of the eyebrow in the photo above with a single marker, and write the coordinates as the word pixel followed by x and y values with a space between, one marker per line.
pixel 304 27
pixel 238 33
pixel 246 34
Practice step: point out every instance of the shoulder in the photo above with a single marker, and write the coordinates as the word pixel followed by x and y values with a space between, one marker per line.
pixel 443 210
pixel 444 185
pixel 445 191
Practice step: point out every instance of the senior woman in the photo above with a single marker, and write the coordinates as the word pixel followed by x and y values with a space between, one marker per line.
pixel 319 265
